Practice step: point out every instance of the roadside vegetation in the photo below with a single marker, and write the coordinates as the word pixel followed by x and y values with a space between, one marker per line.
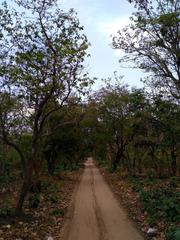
pixel 42 142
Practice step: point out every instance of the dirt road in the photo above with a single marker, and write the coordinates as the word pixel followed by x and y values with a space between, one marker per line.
pixel 96 214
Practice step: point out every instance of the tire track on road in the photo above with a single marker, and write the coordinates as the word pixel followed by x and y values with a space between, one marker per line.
pixel 100 222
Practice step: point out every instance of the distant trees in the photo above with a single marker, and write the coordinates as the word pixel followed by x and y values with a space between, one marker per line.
pixel 42 51
pixel 65 141
pixel 113 113
pixel 166 115
pixel 135 131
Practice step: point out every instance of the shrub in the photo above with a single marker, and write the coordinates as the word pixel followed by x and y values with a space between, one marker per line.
pixel 5 211
pixel 53 197
pixel 34 200
pixel 161 202
pixel 151 173
pixel 173 233
pixel 58 212
pixel 173 182
pixel 45 185
pixel 177 234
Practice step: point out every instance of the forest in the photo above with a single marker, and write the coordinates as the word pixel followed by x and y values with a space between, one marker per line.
pixel 51 119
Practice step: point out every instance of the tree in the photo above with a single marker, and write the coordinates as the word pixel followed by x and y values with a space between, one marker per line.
pixel 113 113
pixel 41 60
pixel 152 42
pixel 12 123
pixel 136 151
pixel 64 144
pixel 166 126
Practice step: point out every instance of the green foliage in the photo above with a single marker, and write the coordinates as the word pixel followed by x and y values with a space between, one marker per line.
pixel 113 116
pixel 5 210
pixel 50 221
pixel 34 200
pixel 151 173
pixel 161 202
pixel 49 191
pixel 137 185
pixel 173 233
pixel 45 185
pixel 51 197
pixel 26 143
pixel 67 145
pixel 134 132
pixel 153 27
pixel 41 70
pixel 173 182
pixel 58 212
pixel 177 234
pixel 128 130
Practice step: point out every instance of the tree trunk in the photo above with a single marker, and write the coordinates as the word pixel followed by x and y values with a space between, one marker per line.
pixel 114 164
pixel 118 157
pixel 173 162
pixel 24 189
pixel 129 165
pixel 51 162
pixel 23 194
pixel 134 159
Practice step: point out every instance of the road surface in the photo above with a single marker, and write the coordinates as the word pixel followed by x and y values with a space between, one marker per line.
pixel 96 214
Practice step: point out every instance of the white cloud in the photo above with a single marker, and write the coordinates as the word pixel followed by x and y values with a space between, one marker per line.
pixel 118 53
pixel 110 27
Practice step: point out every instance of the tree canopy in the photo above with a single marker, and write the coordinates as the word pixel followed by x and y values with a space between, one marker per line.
pixel 41 66
pixel 152 42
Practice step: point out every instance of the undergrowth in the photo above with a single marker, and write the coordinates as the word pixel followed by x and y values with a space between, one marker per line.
pixel 161 202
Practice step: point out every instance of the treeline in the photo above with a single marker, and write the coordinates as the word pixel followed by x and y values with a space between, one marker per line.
pixel 135 131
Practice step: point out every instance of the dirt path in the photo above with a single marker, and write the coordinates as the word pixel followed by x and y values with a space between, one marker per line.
pixel 96 214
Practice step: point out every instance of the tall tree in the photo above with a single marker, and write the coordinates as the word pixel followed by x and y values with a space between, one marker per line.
pixel 166 126
pixel 152 42
pixel 113 112
pixel 42 51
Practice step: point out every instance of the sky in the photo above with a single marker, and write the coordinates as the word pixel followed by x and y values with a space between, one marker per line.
pixel 101 19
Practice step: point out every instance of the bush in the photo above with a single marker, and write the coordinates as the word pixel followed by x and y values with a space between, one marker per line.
pixel 173 233
pixel 177 234
pixel 5 211
pixel 152 174
pixel 161 202
pixel 45 185
pixel 34 200
pixel 58 212
pixel 138 183
pixel 173 182
pixel 53 197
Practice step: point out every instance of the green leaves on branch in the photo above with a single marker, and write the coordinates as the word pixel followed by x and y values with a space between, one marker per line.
pixel 151 42
pixel 41 67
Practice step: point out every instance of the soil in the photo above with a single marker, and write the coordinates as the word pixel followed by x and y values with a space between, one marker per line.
pixel 95 213
pixel 47 219
pixel 129 199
